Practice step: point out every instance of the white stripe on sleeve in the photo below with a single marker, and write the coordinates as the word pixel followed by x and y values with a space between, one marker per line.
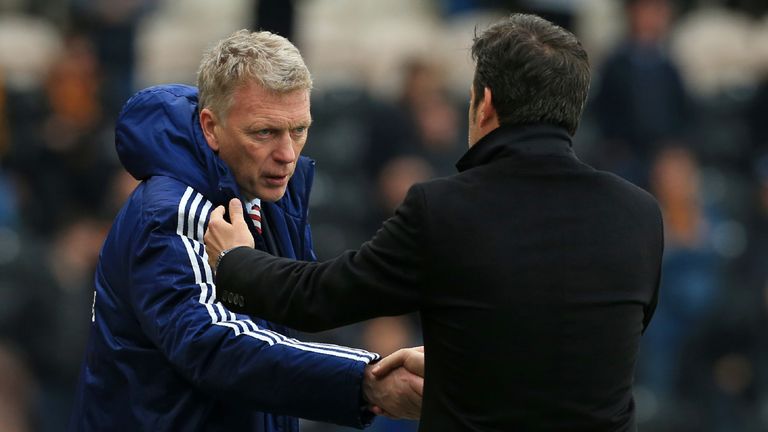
pixel 191 238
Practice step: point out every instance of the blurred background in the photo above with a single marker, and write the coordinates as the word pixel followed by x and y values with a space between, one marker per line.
pixel 679 106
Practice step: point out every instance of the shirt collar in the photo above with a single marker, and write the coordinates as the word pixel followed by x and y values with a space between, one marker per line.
pixel 249 204
pixel 516 140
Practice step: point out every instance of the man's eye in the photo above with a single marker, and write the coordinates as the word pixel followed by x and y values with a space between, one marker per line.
pixel 301 130
pixel 263 133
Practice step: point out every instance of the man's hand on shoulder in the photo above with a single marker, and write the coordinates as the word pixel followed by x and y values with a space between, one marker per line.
pixel 221 236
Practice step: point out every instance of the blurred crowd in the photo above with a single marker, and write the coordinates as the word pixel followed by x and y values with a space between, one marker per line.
pixel 679 106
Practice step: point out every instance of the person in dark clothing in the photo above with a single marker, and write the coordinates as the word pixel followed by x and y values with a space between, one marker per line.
pixel 641 103
pixel 534 274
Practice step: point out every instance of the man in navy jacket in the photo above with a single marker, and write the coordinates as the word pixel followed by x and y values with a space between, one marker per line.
pixel 534 274
pixel 164 354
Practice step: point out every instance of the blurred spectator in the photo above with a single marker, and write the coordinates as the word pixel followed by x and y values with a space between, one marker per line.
pixel 757 121
pixel 71 261
pixel 73 85
pixel 8 205
pixel 398 176
pixel 435 122
pixel 66 157
pixel 424 122
pixel 641 101
pixel 8 210
pixel 724 383
pixel 17 391
pixel 395 178
pixel 689 285
pixel 46 292
pixel 3 118
pixel 111 26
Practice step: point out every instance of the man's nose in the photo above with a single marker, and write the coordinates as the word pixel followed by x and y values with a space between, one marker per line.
pixel 284 152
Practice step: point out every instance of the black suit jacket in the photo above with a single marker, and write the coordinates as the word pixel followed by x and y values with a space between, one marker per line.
pixel 534 275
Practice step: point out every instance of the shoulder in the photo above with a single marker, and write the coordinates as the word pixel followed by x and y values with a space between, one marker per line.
pixel 624 185
pixel 162 192
pixel 463 182
pixel 627 195
pixel 169 202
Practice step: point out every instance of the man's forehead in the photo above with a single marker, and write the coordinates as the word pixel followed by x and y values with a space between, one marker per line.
pixel 260 105
pixel 279 114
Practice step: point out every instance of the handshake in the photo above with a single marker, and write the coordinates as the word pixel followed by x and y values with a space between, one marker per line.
pixel 394 386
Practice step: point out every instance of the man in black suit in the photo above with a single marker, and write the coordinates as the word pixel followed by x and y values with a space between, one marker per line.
pixel 534 274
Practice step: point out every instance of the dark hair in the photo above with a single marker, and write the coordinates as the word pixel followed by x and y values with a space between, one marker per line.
pixel 537 72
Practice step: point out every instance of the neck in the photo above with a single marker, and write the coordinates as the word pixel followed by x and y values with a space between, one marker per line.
pixel 481 132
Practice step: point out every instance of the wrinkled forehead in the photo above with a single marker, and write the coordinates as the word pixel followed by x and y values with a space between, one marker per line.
pixel 253 102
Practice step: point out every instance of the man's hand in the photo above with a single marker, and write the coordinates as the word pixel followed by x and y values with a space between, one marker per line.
pixel 394 387
pixel 222 235
pixel 412 359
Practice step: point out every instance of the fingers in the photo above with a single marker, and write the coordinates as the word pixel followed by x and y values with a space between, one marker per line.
pixel 222 235
pixel 413 404
pixel 397 395
pixel 212 249
pixel 212 261
pixel 416 383
pixel 411 396
pixel 217 214
pixel 411 358
pixel 236 212
pixel 414 362
pixel 389 363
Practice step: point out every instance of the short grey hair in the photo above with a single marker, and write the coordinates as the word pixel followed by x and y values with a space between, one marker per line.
pixel 262 57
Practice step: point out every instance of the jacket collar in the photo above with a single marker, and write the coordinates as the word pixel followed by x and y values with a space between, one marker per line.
pixel 516 140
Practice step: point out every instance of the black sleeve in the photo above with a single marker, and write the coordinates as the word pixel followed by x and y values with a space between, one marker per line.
pixel 384 277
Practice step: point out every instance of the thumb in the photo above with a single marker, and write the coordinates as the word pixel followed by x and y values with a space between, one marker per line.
pixel 236 212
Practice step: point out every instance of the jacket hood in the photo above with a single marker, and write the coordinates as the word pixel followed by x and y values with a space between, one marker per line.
pixel 158 134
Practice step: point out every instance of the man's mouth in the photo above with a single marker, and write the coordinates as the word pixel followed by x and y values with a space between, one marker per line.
pixel 276 180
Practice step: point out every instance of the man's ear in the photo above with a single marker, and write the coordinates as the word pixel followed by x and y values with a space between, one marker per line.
pixel 487 115
pixel 208 123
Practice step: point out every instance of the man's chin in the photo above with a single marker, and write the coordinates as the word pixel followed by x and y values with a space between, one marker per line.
pixel 271 194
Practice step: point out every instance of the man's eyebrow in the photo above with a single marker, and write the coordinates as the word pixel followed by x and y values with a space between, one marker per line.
pixel 255 128
pixel 261 125
pixel 301 123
